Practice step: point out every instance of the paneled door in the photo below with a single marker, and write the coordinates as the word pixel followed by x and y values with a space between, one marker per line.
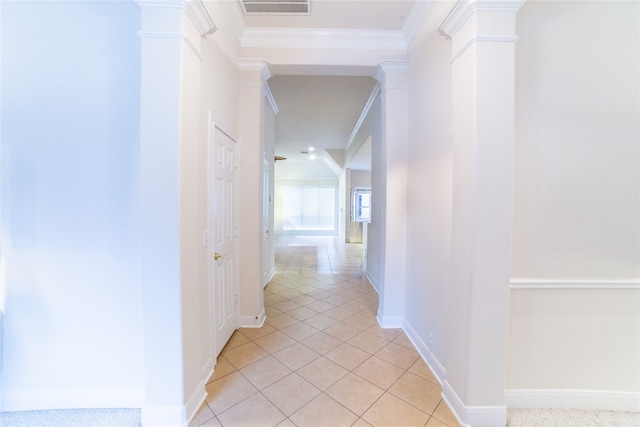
pixel 224 238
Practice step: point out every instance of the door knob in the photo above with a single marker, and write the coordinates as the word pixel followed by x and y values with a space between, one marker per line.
pixel 217 256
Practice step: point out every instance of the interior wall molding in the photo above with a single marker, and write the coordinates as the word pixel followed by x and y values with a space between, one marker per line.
pixel 388 69
pixel 195 9
pixel 602 400
pixel 481 39
pixel 604 284
pixel 425 352
pixel 45 399
pixel 302 38
pixel 463 9
pixel 253 321
pixel 415 19
pixel 473 415
pixel 372 98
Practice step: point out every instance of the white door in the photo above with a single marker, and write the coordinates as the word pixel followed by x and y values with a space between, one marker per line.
pixel 223 230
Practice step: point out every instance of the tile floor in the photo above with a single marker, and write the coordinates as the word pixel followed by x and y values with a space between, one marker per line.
pixel 321 359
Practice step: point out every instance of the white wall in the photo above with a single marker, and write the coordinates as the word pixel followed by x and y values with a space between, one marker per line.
pixel 375 230
pixel 73 332
pixel 429 206
pixel 573 335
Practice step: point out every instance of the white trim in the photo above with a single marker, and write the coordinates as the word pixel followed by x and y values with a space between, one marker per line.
pixel 253 321
pixel 44 399
pixel 160 35
pixel 372 99
pixel 605 400
pixel 538 284
pixel 387 322
pixel 481 39
pixel 463 9
pixel 200 17
pixel 195 9
pixel 476 416
pixel 272 102
pixel 323 38
pixel 195 400
pixel 162 416
pixel 429 358
pixel 415 19
pixel 372 280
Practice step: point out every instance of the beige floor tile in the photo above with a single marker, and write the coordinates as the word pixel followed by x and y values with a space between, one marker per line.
pixel 304 299
pixel 338 313
pixel 322 373
pixel 421 369
pixel 296 356
pixel 321 321
pixel 300 331
pixel 222 394
pixel 347 356
pixel 286 423
pixel 236 340
pixel 256 411
pixel 204 414
pixel 342 331
pixel 367 342
pixel 389 411
pixel 286 306
pixel 378 372
pixel 355 393
pixel 253 333
pixel 222 368
pixel 361 423
pixel 360 321
pixel 444 415
pixel 398 355
pixel 417 391
pixel 281 321
pixel 321 343
pixel 323 411
pixel 386 333
pixel 302 313
pixel 265 372
pixel 270 311
pixel 244 355
pixel 321 306
pixel 213 422
pixel 275 342
pixel 291 393
pixel 404 341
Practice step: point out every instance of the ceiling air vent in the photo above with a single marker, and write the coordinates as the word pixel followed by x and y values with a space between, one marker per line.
pixel 276 7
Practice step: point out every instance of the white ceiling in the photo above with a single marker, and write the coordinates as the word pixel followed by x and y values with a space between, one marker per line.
pixel 322 111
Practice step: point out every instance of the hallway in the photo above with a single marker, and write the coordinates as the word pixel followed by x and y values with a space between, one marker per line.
pixel 321 358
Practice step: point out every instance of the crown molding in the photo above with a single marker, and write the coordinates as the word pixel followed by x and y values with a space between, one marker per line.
pixel 303 38
pixel 463 9
pixel 195 9
pixel 415 19
pixel 233 13
pixel 387 68
pixel 199 14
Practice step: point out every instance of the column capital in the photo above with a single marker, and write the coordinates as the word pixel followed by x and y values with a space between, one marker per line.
pixel 392 74
pixel 463 9
pixel 195 9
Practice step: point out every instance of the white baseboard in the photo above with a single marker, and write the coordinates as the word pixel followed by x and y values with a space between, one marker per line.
pixel 390 321
pixel 476 416
pixel 429 358
pixel 372 280
pixel 253 321
pixel 80 398
pixel 163 416
pixel 602 400
pixel 195 400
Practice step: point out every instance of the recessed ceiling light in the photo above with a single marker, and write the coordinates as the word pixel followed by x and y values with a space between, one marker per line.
pixel 312 157
pixel 312 149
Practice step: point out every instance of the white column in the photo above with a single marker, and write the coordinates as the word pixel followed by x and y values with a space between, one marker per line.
pixel 482 38
pixel 392 191
pixel 170 42
pixel 254 74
